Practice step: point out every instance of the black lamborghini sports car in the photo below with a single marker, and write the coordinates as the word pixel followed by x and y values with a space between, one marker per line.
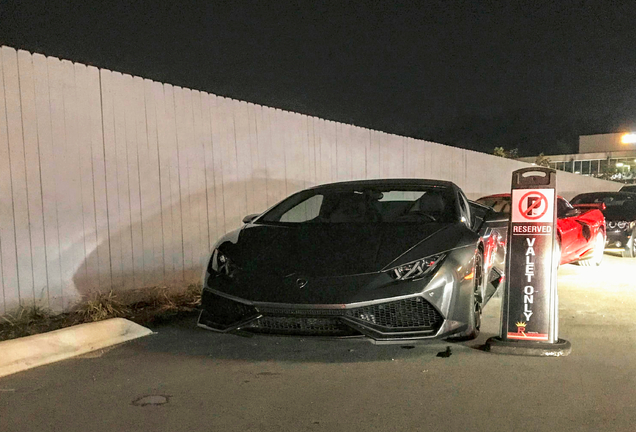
pixel 390 260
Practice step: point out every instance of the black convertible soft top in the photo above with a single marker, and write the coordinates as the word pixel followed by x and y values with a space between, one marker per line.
pixel 397 182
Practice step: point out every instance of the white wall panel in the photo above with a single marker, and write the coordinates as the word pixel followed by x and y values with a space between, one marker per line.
pixel 373 155
pixel 67 219
pixel 190 220
pixel 152 204
pixel 201 140
pixel 165 177
pixel 8 255
pixel 148 177
pixel 312 151
pixel 214 212
pixel 125 226
pixel 277 178
pixel 113 241
pixel 263 125
pixel 98 164
pixel 323 144
pixel 18 176
pixel 245 197
pixel 109 181
pixel 216 130
pixel 48 175
pixel 359 139
pixel 258 157
pixel 174 247
pixel 134 188
pixel 293 153
pixel 33 176
pixel 233 188
pixel 88 273
pixel 74 217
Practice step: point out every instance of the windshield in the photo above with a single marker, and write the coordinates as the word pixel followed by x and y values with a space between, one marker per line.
pixel 499 204
pixel 366 205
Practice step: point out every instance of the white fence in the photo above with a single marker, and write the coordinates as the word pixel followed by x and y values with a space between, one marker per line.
pixel 109 181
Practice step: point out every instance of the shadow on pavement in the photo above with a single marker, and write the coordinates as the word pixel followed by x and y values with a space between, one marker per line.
pixel 182 337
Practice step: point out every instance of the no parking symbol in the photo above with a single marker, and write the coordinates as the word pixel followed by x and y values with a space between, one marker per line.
pixel 532 206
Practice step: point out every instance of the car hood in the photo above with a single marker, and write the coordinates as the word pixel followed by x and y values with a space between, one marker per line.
pixel 325 250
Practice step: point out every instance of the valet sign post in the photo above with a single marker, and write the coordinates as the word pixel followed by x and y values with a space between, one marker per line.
pixel 529 323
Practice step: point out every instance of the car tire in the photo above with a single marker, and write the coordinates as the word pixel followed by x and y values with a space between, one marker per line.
pixel 597 254
pixel 630 247
pixel 474 314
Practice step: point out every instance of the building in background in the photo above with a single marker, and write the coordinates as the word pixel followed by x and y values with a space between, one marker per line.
pixel 610 156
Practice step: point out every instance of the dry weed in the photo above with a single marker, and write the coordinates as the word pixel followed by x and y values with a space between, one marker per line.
pixel 147 306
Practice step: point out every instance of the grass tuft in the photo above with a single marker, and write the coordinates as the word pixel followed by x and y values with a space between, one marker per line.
pixel 149 306
pixel 101 306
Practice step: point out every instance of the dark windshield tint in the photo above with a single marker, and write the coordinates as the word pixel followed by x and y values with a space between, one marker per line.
pixel 366 205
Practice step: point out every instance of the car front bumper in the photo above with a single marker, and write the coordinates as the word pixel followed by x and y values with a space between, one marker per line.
pixel 617 239
pixel 393 320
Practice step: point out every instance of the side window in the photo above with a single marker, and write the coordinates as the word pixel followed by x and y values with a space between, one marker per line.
pixel 304 211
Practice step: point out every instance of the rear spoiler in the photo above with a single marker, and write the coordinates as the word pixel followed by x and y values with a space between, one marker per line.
pixel 588 207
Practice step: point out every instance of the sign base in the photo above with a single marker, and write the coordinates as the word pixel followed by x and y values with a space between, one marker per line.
pixel 561 348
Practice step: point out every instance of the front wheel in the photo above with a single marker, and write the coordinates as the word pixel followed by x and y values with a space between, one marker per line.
pixel 474 313
pixel 597 253
pixel 630 247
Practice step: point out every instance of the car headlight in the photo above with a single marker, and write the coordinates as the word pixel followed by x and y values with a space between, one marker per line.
pixel 221 264
pixel 621 225
pixel 415 269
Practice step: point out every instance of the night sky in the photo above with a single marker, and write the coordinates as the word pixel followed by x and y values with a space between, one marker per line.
pixel 532 75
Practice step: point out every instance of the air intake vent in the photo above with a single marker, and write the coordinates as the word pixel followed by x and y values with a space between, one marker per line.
pixel 404 314
pixel 224 312
pixel 300 326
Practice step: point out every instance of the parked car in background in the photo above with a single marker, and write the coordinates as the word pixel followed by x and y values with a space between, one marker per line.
pixel 629 188
pixel 580 231
pixel 389 260
pixel 620 218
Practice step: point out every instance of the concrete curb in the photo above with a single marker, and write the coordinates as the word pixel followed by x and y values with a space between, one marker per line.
pixel 28 352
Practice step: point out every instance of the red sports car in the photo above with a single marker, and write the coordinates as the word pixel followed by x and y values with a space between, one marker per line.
pixel 580 229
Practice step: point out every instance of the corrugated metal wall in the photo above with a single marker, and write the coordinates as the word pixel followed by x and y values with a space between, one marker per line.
pixel 113 181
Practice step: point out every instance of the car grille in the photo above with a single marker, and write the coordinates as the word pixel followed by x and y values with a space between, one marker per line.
pixel 411 314
pixel 408 313
pixel 224 312
pixel 300 326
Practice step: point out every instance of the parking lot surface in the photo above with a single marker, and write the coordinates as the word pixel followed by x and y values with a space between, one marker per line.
pixel 187 379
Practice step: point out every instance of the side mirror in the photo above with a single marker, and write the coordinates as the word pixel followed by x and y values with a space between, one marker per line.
pixel 572 213
pixel 482 214
pixel 249 218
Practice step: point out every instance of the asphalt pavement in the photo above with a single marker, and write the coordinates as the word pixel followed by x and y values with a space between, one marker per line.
pixel 188 379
